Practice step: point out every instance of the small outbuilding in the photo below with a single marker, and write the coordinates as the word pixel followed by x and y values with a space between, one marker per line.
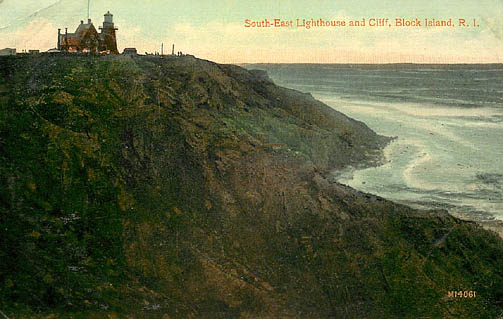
pixel 54 50
pixel 8 51
pixel 130 51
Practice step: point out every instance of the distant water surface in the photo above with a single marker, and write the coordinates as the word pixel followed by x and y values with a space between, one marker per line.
pixel 448 120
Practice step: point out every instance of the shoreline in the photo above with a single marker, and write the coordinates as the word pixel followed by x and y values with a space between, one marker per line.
pixel 494 225
pixel 347 173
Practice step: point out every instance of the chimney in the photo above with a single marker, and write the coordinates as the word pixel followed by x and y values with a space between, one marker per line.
pixel 81 21
pixel 89 21
pixel 59 39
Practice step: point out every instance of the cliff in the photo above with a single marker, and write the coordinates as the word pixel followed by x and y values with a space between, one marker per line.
pixel 137 187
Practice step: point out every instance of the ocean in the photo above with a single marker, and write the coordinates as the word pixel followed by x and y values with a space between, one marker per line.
pixel 448 124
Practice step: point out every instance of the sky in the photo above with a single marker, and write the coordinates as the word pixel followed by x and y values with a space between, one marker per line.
pixel 215 30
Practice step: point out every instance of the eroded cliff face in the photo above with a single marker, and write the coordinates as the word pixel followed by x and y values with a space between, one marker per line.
pixel 178 188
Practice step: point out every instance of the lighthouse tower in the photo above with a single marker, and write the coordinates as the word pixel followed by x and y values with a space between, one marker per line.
pixel 108 35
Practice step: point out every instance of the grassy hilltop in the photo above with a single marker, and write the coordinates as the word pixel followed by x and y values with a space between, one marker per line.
pixel 180 188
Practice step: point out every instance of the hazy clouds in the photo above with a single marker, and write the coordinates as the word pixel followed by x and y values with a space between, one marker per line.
pixel 218 32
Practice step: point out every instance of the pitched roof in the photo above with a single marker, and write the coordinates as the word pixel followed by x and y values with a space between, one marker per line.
pixel 82 29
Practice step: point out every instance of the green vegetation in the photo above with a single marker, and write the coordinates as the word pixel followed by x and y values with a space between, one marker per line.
pixel 178 188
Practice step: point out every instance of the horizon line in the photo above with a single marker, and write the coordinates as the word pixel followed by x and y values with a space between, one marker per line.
pixel 364 63
pixel 320 63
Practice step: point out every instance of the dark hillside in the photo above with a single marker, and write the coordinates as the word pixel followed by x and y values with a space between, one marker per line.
pixel 179 188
